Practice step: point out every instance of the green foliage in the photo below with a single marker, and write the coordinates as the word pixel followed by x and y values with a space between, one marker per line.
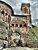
pixel 33 32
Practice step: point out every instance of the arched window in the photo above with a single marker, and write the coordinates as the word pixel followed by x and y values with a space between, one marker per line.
pixel 13 25
pixel 20 25
pixel 16 25
pixel 2 12
pixel 25 25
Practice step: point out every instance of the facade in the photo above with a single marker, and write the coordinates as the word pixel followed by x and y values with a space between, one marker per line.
pixel 16 23
pixel 19 23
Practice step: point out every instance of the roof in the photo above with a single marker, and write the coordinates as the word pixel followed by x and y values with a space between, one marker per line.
pixel 22 15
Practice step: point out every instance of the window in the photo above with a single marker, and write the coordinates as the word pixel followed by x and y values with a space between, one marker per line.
pixel 20 25
pixel 25 25
pixel 13 25
pixel 6 14
pixel 2 12
pixel 25 10
pixel 16 25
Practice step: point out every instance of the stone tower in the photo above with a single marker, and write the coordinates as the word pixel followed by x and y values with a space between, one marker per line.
pixel 25 10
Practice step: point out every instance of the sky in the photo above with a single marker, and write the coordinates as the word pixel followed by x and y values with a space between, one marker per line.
pixel 16 5
pixel 34 11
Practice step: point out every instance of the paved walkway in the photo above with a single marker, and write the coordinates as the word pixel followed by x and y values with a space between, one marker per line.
pixel 18 48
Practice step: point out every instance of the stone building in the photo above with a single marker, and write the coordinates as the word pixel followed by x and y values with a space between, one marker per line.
pixel 5 10
pixel 16 23
pixel 19 23
pixel 22 22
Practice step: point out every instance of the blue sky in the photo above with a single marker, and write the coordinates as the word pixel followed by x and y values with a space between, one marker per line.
pixel 34 11
pixel 33 8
